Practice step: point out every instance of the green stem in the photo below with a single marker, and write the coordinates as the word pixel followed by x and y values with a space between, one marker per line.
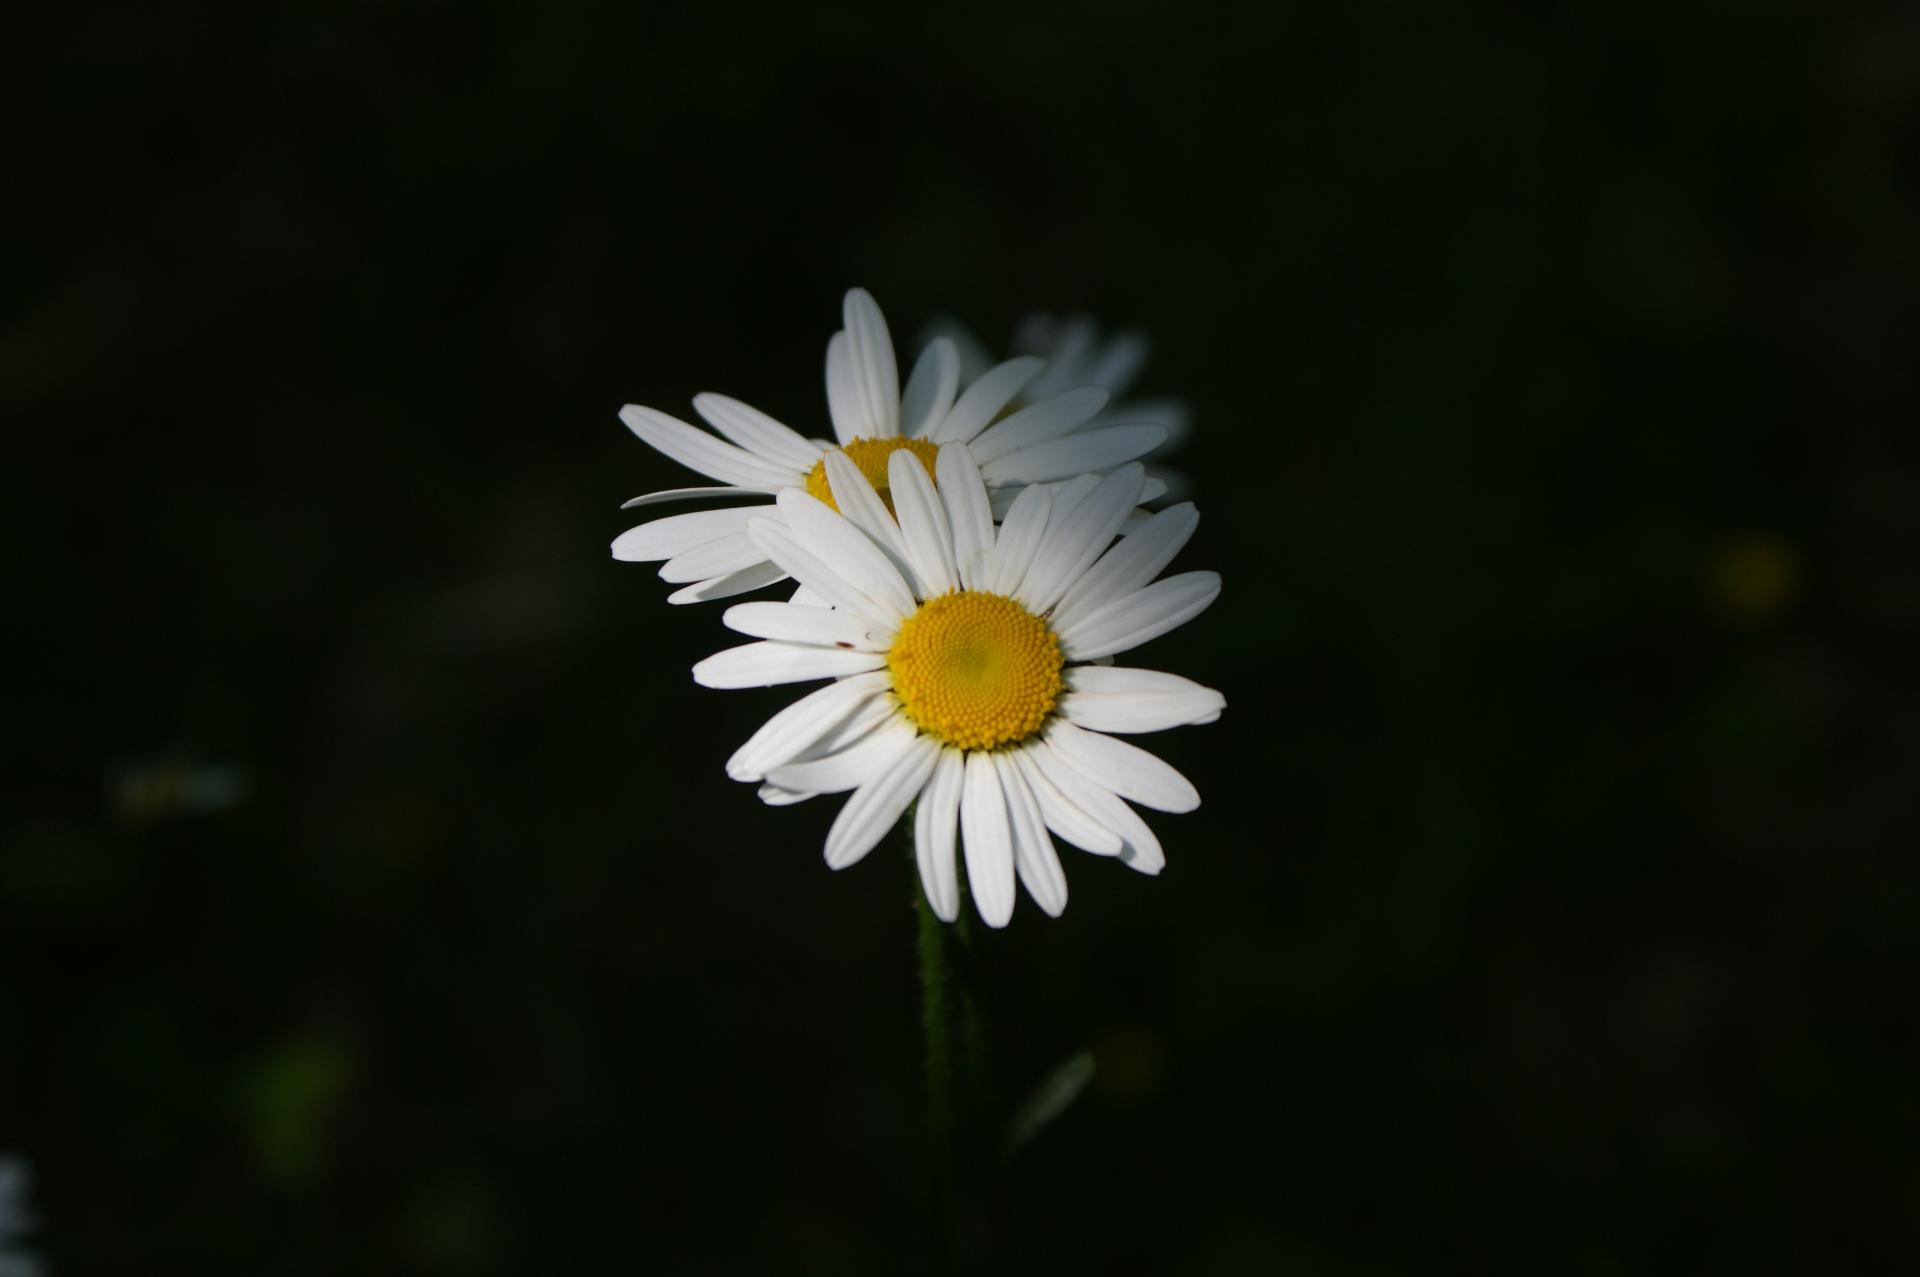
pixel 936 1022
pixel 966 1212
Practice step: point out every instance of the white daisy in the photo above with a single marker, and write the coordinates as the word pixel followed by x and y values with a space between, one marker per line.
pixel 1048 439
pixel 959 654
pixel 1078 354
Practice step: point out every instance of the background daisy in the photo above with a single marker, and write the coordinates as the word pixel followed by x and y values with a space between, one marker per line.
pixel 961 658
pixel 1045 438
pixel 1078 353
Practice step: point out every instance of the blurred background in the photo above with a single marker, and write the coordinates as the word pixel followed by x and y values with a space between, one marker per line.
pixel 371 894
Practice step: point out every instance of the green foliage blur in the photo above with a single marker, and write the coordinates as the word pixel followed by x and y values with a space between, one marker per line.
pixel 371 895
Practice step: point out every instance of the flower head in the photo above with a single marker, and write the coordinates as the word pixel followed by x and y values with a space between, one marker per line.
pixel 961 657
pixel 1045 439
pixel 1078 353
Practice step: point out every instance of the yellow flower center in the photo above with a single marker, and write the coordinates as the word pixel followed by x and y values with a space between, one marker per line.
pixel 975 670
pixel 872 456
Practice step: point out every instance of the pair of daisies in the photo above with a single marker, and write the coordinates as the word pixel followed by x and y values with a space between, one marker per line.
pixel 969 559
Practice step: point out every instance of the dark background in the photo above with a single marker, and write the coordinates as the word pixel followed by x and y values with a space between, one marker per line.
pixel 1551 369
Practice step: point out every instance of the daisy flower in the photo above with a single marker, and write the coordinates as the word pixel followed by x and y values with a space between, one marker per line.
pixel 1079 354
pixel 969 672
pixel 1046 439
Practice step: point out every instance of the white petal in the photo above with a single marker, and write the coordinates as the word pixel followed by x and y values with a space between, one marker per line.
pixel 782 738
pixel 861 505
pixel 1110 680
pixel 1033 854
pixel 923 524
pixel 807 568
pixel 855 729
pixel 876 806
pixel 820 627
pixel 854 556
pixel 1038 423
pixel 1037 333
pixel 755 431
pixel 767 664
pixel 1064 816
pixel 843 392
pixel 1120 362
pixel 1133 619
pixel 1129 565
pixel 1105 699
pixel 1100 680
pixel 1089 451
pixel 1127 770
pixel 683 494
pixel 988 840
pixel 1001 499
pixel 678 533
pixel 867 716
pixel 967 514
pixel 975 359
pixel 1067 498
pixel 1171 413
pixel 725 587
pixel 717 557
pixel 698 450
pixel 1178 484
pixel 1153 489
pixel 982 401
pixel 930 390
pixel 1018 541
pixel 1065 346
pixel 875 374
pixel 1077 541
pixel 934 828
pixel 1140 848
pixel 850 767
pixel 774 796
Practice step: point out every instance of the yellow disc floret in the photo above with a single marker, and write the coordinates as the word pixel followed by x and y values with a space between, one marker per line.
pixel 975 670
pixel 872 456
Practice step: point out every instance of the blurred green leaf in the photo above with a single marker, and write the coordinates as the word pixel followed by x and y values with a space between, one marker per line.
pixel 1054 1096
